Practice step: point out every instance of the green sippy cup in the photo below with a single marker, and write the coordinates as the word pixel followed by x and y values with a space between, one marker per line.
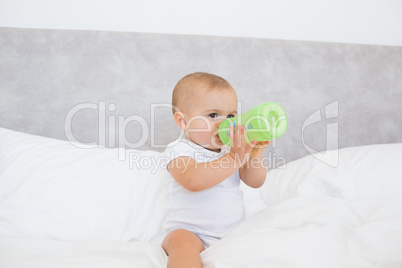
pixel 264 122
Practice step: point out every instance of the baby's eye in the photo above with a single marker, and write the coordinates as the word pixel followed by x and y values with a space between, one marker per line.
pixel 213 115
pixel 230 116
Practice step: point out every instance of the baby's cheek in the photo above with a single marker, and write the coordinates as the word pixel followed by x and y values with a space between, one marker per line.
pixel 202 138
pixel 205 136
pixel 202 131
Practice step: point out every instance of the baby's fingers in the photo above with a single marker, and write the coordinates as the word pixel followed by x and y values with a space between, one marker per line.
pixel 231 133
pixel 235 134
pixel 252 145
pixel 240 135
pixel 262 144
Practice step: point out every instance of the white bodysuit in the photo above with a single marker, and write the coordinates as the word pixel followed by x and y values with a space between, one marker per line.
pixel 210 213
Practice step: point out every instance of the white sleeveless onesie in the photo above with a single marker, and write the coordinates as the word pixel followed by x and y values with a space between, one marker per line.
pixel 210 213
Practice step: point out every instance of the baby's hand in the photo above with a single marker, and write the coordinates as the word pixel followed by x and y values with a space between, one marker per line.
pixel 259 148
pixel 240 150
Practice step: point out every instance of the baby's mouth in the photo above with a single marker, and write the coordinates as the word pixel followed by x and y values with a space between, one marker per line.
pixel 218 139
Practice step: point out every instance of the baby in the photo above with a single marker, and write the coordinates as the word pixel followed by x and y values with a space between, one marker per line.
pixel 204 197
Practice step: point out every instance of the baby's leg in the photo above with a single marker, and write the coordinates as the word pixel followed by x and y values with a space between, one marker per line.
pixel 183 248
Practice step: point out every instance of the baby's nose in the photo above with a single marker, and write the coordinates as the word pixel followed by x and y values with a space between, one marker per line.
pixel 219 119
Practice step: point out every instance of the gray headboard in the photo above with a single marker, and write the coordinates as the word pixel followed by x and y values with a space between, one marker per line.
pixel 335 95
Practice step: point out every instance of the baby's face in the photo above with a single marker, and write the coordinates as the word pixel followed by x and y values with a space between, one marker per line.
pixel 206 113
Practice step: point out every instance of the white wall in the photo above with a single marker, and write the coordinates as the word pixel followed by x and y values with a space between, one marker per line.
pixel 348 21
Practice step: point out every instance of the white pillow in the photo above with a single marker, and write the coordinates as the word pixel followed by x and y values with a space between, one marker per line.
pixel 372 171
pixel 52 189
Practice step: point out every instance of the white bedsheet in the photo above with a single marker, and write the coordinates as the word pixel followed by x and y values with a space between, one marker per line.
pixel 323 216
pixel 23 252
pixel 315 231
pixel 304 231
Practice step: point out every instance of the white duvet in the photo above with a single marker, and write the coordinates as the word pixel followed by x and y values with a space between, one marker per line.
pixel 308 214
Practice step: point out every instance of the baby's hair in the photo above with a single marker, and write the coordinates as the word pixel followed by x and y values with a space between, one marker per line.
pixel 186 88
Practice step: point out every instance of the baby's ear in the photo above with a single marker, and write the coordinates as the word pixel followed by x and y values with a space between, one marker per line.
pixel 180 120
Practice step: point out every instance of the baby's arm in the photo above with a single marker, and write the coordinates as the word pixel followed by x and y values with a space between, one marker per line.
pixel 201 176
pixel 254 172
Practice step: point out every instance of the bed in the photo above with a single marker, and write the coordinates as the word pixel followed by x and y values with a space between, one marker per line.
pixel 80 186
